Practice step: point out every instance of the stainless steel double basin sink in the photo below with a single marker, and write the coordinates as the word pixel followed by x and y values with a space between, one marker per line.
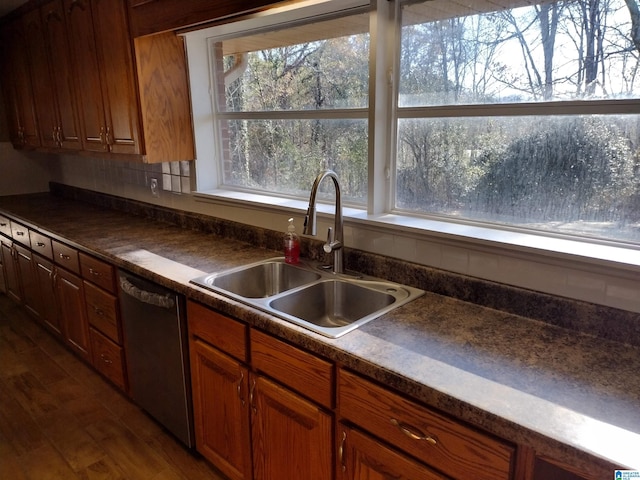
pixel 309 295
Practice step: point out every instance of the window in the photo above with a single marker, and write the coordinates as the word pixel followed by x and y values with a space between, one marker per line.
pixel 497 113
pixel 292 101
pixel 521 116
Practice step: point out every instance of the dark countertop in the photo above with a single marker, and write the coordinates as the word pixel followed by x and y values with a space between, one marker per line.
pixel 571 396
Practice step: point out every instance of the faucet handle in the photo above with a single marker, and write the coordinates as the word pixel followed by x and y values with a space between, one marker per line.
pixel 327 247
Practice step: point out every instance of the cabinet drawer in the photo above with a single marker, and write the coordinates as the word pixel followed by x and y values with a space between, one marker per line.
pixel 41 244
pixel 5 226
pixel 102 311
pixel 98 272
pixel 222 332
pixel 20 233
pixel 108 358
pixel 438 441
pixel 302 371
pixel 65 256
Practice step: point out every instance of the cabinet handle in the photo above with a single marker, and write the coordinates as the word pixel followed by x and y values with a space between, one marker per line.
pixel 98 311
pixel 94 272
pixel 40 244
pixel 64 257
pixel 108 139
pixel 20 233
pixel 3 224
pixel 343 466
pixel 253 387
pixel 240 396
pixel 106 359
pixel 413 432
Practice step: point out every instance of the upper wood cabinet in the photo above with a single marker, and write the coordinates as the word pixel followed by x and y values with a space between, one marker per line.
pixel 53 87
pixel 153 16
pixel 16 86
pixel 102 58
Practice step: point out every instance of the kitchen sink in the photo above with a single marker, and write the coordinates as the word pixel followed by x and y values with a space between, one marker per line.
pixel 261 280
pixel 309 295
pixel 332 303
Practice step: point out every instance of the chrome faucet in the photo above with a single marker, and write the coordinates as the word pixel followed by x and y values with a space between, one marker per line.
pixel 335 239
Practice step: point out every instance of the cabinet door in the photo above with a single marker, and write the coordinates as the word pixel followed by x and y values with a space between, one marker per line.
pixel 16 83
pixel 44 279
pixel 292 437
pixel 12 281
pixel 73 317
pixel 82 46
pixel 221 414
pixel 363 458
pixel 27 278
pixel 43 91
pixel 114 48
pixel 62 79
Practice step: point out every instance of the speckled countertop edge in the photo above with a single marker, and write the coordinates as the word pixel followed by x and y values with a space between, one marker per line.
pixel 573 397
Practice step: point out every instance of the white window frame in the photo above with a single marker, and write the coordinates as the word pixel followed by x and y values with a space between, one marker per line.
pixel 605 266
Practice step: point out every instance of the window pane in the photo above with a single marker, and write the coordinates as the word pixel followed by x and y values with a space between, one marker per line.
pixel 570 174
pixel 284 156
pixel 565 50
pixel 323 65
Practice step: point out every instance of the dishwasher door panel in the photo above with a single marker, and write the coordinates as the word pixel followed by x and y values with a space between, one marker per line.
pixel 155 342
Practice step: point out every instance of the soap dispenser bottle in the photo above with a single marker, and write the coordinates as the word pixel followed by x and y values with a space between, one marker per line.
pixel 291 244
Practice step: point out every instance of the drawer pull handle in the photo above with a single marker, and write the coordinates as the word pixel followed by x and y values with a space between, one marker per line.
pixel 106 359
pixel 94 272
pixel 343 466
pixel 251 399
pixel 240 395
pixel 64 257
pixel 40 244
pixel 98 311
pixel 20 233
pixel 413 432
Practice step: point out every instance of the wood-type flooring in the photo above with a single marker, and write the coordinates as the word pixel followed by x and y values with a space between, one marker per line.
pixel 60 420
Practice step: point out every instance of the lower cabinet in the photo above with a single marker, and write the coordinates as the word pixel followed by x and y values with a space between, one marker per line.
pixel 291 436
pixel 361 457
pixel 221 409
pixel 49 314
pixel 248 423
pixel 11 278
pixel 73 316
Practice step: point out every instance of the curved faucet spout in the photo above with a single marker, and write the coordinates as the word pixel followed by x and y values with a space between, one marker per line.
pixel 335 238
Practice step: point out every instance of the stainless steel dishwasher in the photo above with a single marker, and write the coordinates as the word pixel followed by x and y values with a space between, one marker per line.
pixel 156 347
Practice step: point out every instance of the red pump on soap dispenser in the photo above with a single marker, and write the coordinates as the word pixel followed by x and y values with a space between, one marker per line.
pixel 291 244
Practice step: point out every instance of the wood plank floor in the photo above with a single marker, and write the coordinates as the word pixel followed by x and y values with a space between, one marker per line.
pixel 60 420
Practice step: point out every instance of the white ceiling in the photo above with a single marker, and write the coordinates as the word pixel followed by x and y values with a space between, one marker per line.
pixel 7 5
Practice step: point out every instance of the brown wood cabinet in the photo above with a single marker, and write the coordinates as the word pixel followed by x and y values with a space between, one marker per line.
pixel 360 457
pixel 73 317
pixel 31 298
pixel 438 441
pixel 219 378
pixel 53 86
pixel 102 61
pixel 103 316
pixel 17 87
pixel 292 437
pixel 49 314
pixel 9 264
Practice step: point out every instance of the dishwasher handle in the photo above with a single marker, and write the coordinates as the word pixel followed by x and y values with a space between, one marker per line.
pixel 155 299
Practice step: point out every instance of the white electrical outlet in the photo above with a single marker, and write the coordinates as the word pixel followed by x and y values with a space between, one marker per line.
pixel 154 187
